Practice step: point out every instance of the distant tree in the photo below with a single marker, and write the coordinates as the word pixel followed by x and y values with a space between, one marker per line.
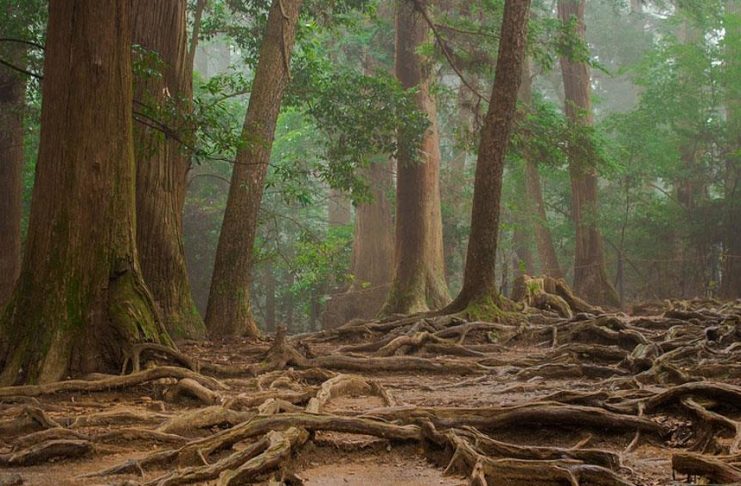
pixel 731 277
pixel 590 274
pixel 229 311
pixel 479 282
pixel 81 301
pixel 534 190
pixel 159 28
pixel 419 276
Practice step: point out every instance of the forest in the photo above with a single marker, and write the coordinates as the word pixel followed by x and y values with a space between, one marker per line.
pixel 370 242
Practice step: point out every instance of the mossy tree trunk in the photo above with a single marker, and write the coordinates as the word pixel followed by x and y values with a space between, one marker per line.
pixel 590 274
pixel 81 302
pixel 159 26
pixel 479 283
pixel 12 103
pixel 229 310
pixel 419 275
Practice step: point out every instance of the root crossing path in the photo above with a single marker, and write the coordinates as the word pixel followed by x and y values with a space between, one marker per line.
pixel 592 399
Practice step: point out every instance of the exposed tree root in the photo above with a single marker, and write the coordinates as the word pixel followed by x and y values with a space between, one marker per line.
pixel 628 380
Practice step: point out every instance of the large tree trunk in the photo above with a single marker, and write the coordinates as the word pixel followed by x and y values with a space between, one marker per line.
pixel 373 243
pixel 479 284
pixel 730 287
pixel 229 310
pixel 81 301
pixel 372 254
pixel 534 191
pixel 590 275
pixel 419 277
pixel 12 103
pixel 162 166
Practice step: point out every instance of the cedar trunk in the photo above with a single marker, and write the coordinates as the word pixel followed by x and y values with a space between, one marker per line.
pixel 419 275
pixel 479 284
pixel 590 274
pixel 534 191
pixel 12 103
pixel 229 310
pixel 162 166
pixel 81 301
pixel 373 243
pixel 730 287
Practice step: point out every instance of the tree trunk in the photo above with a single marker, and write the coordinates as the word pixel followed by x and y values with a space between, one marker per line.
pixel 269 283
pixel 479 283
pixel 229 310
pixel 590 275
pixel 373 243
pixel 162 166
pixel 419 276
pixel 534 192
pixel 81 301
pixel 12 104
pixel 730 287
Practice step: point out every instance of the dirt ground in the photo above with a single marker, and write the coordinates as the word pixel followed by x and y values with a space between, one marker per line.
pixel 421 401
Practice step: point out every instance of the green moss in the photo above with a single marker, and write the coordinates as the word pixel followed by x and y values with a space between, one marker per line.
pixel 490 309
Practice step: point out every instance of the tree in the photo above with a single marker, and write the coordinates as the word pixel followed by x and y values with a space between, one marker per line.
pixel 12 101
pixel 419 275
pixel 590 274
pixel 731 277
pixel 534 191
pixel 81 301
pixel 229 310
pixel 160 27
pixel 479 283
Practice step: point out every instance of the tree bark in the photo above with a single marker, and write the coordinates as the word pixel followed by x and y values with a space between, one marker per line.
pixel 229 310
pixel 590 274
pixel 81 301
pixel 162 166
pixel 12 104
pixel 479 283
pixel 373 243
pixel 419 274
pixel 534 191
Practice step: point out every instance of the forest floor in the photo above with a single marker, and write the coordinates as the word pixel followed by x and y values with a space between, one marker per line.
pixel 594 399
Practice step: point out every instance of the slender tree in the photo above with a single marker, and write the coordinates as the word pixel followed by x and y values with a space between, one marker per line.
pixel 12 101
pixel 159 26
pixel 81 301
pixel 590 274
pixel 229 309
pixel 419 276
pixel 730 287
pixel 479 283
pixel 534 190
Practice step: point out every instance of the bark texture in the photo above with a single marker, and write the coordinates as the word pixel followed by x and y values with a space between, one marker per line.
pixel 81 301
pixel 229 310
pixel 419 275
pixel 162 165
pixel 590 274
pixel 373 243
pixel 479 283
pixel 12 101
